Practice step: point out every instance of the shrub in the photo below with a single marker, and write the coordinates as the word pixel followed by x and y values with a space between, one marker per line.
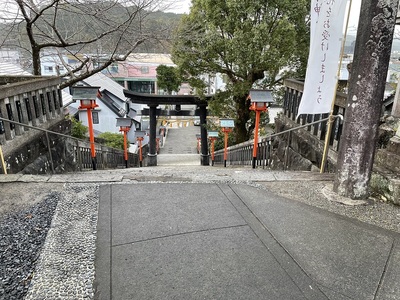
pixel 113 140
pixel 78 130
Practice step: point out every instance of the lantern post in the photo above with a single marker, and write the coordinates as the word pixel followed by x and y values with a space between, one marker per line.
pixel 227 125
pixel 87 97
pixel 212 136
pixel 125 125
pixel 259 100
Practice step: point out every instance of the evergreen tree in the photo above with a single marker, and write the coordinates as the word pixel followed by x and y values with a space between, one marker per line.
pixel 253 43
pixel 168 79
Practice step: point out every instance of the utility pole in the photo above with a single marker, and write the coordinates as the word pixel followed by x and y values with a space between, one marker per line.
pixel 366 90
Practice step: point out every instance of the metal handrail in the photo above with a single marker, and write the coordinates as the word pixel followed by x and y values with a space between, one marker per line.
pixel 41 129
pixel 46 131
pixel 250 144
pixel 329 119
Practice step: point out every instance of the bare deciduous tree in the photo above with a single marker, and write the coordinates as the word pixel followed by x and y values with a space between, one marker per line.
pixel 94 33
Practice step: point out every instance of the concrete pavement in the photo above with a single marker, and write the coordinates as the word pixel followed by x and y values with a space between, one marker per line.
pixel 195 232
pixel 235 241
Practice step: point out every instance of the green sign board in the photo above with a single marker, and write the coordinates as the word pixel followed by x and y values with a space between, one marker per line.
pixel 227 123
pixel 213 134
pixel 84 92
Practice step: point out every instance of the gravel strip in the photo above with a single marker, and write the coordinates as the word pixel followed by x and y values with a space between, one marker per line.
pixel 65 269
pixel 22 235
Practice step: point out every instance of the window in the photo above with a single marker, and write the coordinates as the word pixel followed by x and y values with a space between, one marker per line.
pixel 113 68
pixel 144 70
pixel 48 68
pixel 225 78
pixel 142 86
pixel 95 117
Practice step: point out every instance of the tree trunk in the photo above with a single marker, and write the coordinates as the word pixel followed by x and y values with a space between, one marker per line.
pixel 36 60
pixel 366 90
pixel 243 115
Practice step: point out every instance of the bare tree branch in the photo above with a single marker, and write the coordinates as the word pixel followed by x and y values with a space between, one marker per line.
pixel 83 29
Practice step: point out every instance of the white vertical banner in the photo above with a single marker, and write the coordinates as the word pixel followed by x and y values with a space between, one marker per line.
pixel 326 32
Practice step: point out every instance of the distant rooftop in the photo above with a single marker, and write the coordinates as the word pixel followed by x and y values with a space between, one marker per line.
pixel 156 58
pixel 12 69
pixel 106 83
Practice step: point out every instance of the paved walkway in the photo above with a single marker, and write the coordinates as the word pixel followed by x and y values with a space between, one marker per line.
pixel 226 240
pixel 195 232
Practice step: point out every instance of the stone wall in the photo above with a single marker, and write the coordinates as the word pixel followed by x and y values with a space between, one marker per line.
pixel 67 154
pixel 385 181
pixel 32 156
pixel 304 152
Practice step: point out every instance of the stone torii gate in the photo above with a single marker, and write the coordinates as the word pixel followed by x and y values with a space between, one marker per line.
pixel 153 101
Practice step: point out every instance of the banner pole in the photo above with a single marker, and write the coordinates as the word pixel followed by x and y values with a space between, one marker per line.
pixel 2 161
pixel 331 118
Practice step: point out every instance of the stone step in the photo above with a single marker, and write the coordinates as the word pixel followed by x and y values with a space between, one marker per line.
pixel 387 160
pixel 385 185
pixel 394 145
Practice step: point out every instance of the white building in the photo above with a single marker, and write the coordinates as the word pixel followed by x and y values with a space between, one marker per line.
pixel 112 104
pixel 51 64
pixel 7 68
pixel 10 56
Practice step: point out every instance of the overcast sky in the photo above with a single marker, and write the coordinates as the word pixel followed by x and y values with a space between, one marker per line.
pixel 183 6
pixel 354 14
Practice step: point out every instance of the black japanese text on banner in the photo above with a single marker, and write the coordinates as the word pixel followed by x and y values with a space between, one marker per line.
pixel 327 17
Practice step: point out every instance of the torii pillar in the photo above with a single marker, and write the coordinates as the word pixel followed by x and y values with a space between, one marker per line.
pixel 205 158
pixel 152 155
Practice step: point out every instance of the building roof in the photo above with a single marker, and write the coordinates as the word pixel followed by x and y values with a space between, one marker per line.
pixel 150 58
pixel 7 68
pixel 107 99
pixel 154 100
pixel 66 98
pixel 106 83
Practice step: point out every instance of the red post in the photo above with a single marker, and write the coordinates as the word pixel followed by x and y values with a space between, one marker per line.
pixel 125 148
pixel 226 131
pixel 89 106
pixel 255 147
pixel 258 109
pixel 212 139
pixel 140 139
pixel 91 135
pixel 198 145
pixel 125 130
